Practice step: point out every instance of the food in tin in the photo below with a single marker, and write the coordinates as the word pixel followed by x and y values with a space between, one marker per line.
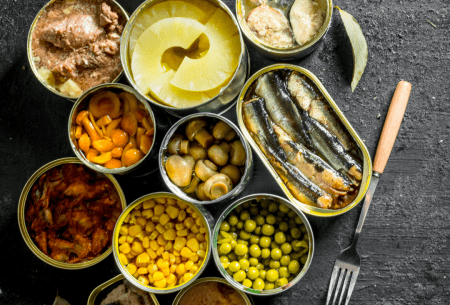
pixel 263 244
pixel 126 294
pixel 187 53
pixel 115 130
pixel 163 242
pixel 211 292
pixel 71 212
pixel 75 45
pixel 206 162
pixel 280 113
pixel 306 17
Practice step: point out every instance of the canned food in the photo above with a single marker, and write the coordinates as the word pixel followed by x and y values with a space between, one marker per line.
pixel 256 202
pixel 101 291
pixel 21 210
pixel 282 9
pixel 155 132
pixel 189 227
pixel 359 150
pixel 247 300
pixel 179 128
pixel 45 76
pixel 219 102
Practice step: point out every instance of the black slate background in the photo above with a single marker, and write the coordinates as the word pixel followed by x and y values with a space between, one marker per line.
pixel 405 245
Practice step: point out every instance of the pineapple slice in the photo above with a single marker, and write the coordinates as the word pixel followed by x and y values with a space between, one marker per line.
pixel 167 33
pixel 162 11
pixel 220 61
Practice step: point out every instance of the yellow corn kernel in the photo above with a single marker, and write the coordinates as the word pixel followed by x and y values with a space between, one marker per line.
pixel 173 268
pixel 169 225
pixel 203 246
pixel 200 237
pixel 170 234
pixel 154 245
pixel 194 215
pixel 138 207
pixel 143 279
pixel 194 229
pixel 190 210
pixel 123 230
pixel 161 240
pixel 179 226
pixel 152 268
pixel 148 204
pixel 158 275
pixel 186 252
pixel 136 274
pixel 181 269
pixel 171 259
pixel 147 213
pixel 199 222
pixel 177 259
pixel 173 211
pixel 165 256
pixel 180 242
pixel 190 235
pixel 187 276
pixel 201 253
pixel 162 264
pixel 134 230
pixel 158 210
pixel 142 260
pixel 132 268
pixel 160 228
pixel 193 244
pixel 130 239
pixel 155 219
pixel 140 236
pixel 136 213
pixel 150 226
pixel 194 269
pixel 171 201
pixel 161 283
pixel 194 257
pixel 154 235
pixel 188 265
pixel 183 205
pixel 136 246
pixel 164 218
pixel 183 232
pixel 142 270
pixel 127 218
pixel 141 221
pixel 189 222
pixel 161 200
pixel 202 229
pixel 133 219
pixel 166 271
pixel 181 216
pixel 160 251
pixel 123 259
pixel 129 256
pixel 150 279
pixel 132 252
pixel 151 253
pixel 122 239
pixel 146 242
pixel 171 284
pixel 125 248
pixel 171 278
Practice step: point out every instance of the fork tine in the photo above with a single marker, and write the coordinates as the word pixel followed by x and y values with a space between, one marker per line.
pixel 351 286
pixel 338 286
pixel 344 286
pixel 332 283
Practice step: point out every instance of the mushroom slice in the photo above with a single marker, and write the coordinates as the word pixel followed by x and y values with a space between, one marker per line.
pixel 217 186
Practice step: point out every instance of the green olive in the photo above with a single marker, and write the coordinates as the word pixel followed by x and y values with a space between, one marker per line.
pixel 240 225
pixel 265 253
pixel 272 275
pixel 232 256
pixel 267 230
pixel 296 233
pixel 258 284
pixel 283 208
pixel 252 273
pixel 257 230
pixel 294 266
pixel 285 260
pixel 283 226
pixel 254 211
pixel 273 207
pixel 281 282
pixel 239 276
pixel 264 242
pixel 244 215
pixel 284 272
pixel 255 251
pixel 268 285
pixel 286 248
pixel 298 220
pixel 224 259
pixel 241 249
pixel 280 238
pixel 250 225
pixel 253 261
pixel 225 226
pixel 233 220
pixel 247 283
pixel 225 248
pixel 254 239
pixel 274 264
pixel 271 219
pixel 245 235
pixel 275 254
pixel 262 274
pixel 234 266
pixel 245 264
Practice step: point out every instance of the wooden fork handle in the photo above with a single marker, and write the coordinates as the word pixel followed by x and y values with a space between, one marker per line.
pixel 391 125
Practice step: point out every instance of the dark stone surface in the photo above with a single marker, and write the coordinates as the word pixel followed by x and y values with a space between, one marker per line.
pixel 405 244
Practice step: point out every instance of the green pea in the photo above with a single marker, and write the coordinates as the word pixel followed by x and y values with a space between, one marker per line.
pixel 258 284
pixel 229 271
pixel 274 245
pixel 303 259
pixel 286 248
pixel 244 215
pixel 292 214
pixel 279 219
pixel 224 259
pixel 267 229
pixel 225 226
pixel 240 225
pixel 234 235
pixel 233 220
pixel 306 237
pixel 284 272
pixel 291 278
pixel 245 256
pixel 225 248
pixel 284 208
pixel 265 253
pixel 275 254
pixel 296 233
pixel 266 262
pixel 247 283
pixel 259 266
pixel 262 274
pixel 274 264
pixel 272 275
pixel 283 226
pixel 303 228
pixel 254 239
pixel 298 245
pixel 292 224
pixel 238 209
pixel 250 225
pixel 264 242
pixel 298 220
pixel 253 261
pixel 254 210
pixel 271 219
pixel 233 244
pixel 289 238
pixel 264 213
pixel 252 273
pixel 239 276
pixel 260 220
pixel 232 256
pixel 268 285
pixel 240 249
pixel 285 260
pixel 281 282
pixel 242 242
pixel 232 229
pixel 246 205
pixel 245 235
pixel 273 207
pixel 245 264
pixel 280 238
pixel 255 251
pixel 234 266
pixel 265 203
pixel 257 230
pixel 294 266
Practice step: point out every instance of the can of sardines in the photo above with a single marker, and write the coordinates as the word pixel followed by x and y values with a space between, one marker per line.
pixel 285 29
pixel 305 141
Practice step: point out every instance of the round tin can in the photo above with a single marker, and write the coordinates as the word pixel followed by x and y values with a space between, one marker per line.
pixel 247 299
pixel 238 285
pixel 208 222
pixel 23 228
pixel 277 53
pixel 160 125
pixel 220 103
pixel 365 156
pixel 31 57
pixel 245 178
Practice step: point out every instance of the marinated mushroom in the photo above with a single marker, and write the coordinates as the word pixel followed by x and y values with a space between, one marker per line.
pixel 233 172
pixel 191 188
pixel 204 169
pixel 221 130
pixel 200 192
pixel 218 155
pixel 178 145
pixel 225 146
pixel 195 129
pixel 197 151
pixel 237 153
pixel 217 186
pixel 179 169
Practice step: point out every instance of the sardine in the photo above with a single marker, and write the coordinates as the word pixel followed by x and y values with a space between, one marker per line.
pixel 281 108
pixel 312 166
pixel 318 109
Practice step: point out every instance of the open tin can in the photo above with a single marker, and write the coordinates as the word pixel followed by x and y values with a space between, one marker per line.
pixel 243 7
pixel 218 104
pixel 32 59
pixel 206 219
pixel 363 152
pixel 23 227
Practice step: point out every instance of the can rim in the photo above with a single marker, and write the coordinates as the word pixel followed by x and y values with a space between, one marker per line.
pixel 367 166
pixel 30 52
pixel 21 216
pixel 175 189
pixel 230 278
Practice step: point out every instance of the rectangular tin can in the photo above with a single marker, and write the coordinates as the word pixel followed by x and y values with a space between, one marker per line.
pixel 367 163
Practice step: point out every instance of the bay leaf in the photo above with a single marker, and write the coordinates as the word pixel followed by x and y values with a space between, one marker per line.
pixel 60 301
pixel 359 45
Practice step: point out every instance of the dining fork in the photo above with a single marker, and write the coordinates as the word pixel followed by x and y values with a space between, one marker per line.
pixel 347 266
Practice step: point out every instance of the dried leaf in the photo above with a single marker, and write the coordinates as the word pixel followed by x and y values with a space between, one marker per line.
pixel 359 46
pixel 60 301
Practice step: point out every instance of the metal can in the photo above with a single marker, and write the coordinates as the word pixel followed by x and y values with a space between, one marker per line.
pixel 278 53
pixel 250 290
pixel 367 163
pixel 23 228
pixel 245 178
pixel 208 222
pixel 220 103
pixel 247 299
pixel 160 125
pixel 101 291
pixel 31 57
